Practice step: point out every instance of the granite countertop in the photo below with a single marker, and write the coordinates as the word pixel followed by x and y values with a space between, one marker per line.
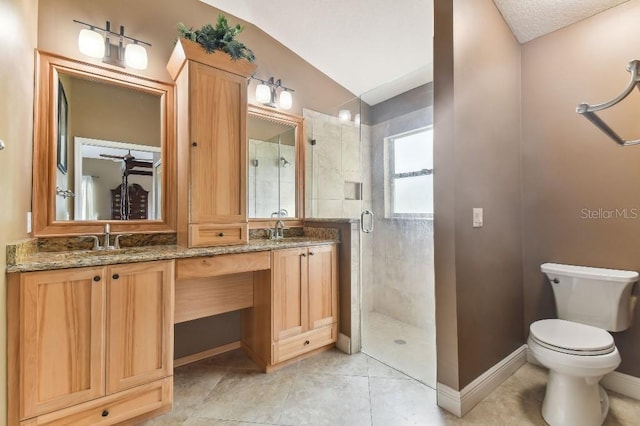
pixel 41 261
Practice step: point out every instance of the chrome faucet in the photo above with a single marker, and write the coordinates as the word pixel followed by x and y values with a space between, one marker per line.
pixel 277 233
pixel 107 234
pixel 280 213
pixel 116 243
pixel 107 240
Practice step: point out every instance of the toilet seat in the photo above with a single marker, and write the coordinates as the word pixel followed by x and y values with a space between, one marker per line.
pixel 571 338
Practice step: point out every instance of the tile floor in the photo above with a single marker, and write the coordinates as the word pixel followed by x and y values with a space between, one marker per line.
pixel 416 357
pixel 337 389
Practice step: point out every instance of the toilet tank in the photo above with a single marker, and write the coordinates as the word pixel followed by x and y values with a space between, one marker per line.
pixel 594 296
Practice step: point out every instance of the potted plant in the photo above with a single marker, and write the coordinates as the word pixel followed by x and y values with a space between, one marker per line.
pixel 220 37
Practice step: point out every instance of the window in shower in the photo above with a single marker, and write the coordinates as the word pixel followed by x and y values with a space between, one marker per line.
pixel 409 177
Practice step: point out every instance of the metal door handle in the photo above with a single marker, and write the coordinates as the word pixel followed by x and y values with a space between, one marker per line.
pixel 367 229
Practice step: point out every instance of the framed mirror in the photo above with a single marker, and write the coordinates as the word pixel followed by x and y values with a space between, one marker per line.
pixel 276 166
pixel 104 150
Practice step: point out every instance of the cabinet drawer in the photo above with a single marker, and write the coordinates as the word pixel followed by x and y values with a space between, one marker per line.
pixel 213 266
pixel 202 235
pixel 203 297
pixel 298 345
pixel 153 398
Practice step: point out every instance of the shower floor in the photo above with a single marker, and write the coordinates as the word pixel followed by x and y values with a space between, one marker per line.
pixel 406 348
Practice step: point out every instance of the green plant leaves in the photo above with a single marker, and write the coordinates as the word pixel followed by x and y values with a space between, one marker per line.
pixel 221 37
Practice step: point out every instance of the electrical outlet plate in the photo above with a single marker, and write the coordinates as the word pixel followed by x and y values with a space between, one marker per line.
pixel 477 217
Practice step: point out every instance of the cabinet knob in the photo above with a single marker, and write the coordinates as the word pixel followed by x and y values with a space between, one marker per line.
pixel 303 255
pixel 310 253
pixel 116 276
pixel 221 234
pixel 194 144
pixel 97 278
pixel 306 342
pixel 105 413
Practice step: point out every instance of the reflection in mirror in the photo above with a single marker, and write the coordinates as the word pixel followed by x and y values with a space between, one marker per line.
pixel 116 181
pixel 102 179
pixel 76 101
pixel 272 168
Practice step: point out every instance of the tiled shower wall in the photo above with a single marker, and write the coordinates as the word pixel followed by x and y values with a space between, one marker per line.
pixel 398 255
pixel 336 183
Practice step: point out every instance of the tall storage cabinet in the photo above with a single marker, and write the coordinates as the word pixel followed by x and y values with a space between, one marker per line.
pixel 90 345
pixel 212 145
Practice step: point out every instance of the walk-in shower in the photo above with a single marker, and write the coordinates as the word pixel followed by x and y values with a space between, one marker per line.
pixel 379 168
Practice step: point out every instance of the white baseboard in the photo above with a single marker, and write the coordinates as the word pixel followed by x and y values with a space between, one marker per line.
pixel 461 402
pixel 531 359
pixel 623 384
pixel 344 343
pixel 449 399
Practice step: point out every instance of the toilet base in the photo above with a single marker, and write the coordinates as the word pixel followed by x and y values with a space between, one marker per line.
pixel 573 400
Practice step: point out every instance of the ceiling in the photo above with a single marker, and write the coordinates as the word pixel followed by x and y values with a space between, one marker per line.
pixel 377 49
pixel 529 19
pixel 361 44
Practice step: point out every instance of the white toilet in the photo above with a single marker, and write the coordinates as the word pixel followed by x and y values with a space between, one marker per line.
pixel 576 348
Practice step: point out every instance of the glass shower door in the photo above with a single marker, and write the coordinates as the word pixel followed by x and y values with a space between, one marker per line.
pixel 375 163
pixel 397 278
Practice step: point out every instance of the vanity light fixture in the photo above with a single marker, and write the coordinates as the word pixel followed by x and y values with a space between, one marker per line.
pixel 285 100
pixel 263 93
pixel 344 115
pixel 91 43
pixel 96 43
pixel 266 93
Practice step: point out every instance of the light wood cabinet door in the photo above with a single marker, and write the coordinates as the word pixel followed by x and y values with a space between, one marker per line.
pixel 62 316
pixel 323 286
pixel 290 314
pixel 218 147
pixel 212 145
pixel 139 324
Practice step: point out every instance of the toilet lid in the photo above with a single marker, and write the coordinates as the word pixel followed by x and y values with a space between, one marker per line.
pixel 572 337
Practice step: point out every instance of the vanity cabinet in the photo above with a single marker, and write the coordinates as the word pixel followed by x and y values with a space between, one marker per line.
pixel 297 306
pixel 90 343
pixel 305 300
pixel 212 145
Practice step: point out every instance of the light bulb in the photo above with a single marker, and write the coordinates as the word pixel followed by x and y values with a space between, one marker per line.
pixel 263 93
pixel 135 56
pixel 91 43
pixel 286 100
pixel 344 115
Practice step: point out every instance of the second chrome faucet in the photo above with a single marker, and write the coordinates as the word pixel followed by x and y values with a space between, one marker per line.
pixel 277 233
pixel 107 240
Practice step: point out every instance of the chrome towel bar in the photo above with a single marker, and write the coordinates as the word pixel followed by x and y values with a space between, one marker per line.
pixel 589 111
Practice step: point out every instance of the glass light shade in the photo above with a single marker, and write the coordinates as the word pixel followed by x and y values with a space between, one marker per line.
pixel 135 56
pixel 91 43
pixel 286 100
pixel 263 93
pixel 356 120
pixel 344 115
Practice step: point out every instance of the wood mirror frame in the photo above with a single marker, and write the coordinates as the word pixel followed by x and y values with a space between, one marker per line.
pixel 296 121
pixel 45 148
